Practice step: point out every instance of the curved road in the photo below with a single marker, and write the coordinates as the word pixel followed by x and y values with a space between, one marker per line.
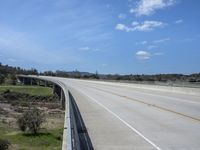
pixel 125 117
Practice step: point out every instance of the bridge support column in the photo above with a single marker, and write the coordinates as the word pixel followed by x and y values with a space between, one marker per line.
pixel 62 99
pixel 23 81
pixel 31 81
pixel 57 90
pixel 45 83
pixel 38 82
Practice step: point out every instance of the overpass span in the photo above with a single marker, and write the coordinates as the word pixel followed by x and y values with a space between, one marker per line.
pixel 129 116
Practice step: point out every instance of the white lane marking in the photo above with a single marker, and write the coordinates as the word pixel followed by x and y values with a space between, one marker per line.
pixel 127 124
pixel 158 95
pixel 168 97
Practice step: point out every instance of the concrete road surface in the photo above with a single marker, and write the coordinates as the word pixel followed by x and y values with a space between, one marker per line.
pixel 125 117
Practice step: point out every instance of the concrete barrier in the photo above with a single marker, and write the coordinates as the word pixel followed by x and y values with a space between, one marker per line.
pixel 182 90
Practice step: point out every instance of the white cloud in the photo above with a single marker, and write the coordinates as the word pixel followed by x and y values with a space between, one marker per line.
pixel 143 55
pixel 149 25
pixel 122 16
pixel 144 26
pixel 161 40
pixel 148 7
pixel 120 26
pixel 89 49
pixel 123 27
pixel 144 42
pixel 134 23
pixel 178 21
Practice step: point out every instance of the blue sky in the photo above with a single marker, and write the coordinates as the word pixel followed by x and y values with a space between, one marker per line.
pixel 110 36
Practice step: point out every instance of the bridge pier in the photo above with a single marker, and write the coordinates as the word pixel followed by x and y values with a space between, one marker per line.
pixel 26 81
pixel 38 82
pixel 62 99
pixel 45 83
pixel 57 90
pixel 31 81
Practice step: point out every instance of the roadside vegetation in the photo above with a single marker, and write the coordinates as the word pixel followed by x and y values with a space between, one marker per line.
pixel 7 76
pixel 31 90
pixel 30 119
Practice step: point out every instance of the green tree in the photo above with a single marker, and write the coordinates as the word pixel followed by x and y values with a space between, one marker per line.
pixel 31 120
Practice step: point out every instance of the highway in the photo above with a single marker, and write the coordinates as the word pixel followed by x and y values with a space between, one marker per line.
pixel 126 117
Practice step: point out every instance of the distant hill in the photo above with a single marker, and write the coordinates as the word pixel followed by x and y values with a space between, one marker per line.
pixel 7 76
pixel 7 73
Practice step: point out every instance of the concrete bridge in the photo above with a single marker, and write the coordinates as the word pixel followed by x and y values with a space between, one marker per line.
pixel 105 115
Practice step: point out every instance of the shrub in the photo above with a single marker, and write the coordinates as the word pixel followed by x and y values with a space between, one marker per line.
pixel 4 144
pixel 31 120
pixel 22 123
pixel 24 104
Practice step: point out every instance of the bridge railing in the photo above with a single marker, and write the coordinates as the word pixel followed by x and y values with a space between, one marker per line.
pixel 69 132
